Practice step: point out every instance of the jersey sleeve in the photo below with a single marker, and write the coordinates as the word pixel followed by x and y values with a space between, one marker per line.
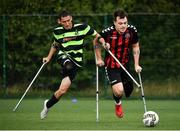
pixel 105 32
pixel 135 38
pixel 56 33
pixel 89 30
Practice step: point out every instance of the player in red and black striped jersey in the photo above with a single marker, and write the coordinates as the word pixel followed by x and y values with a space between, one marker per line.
pixel 121 37
pixel 120 44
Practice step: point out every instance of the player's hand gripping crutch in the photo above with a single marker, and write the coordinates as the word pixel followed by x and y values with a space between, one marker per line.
pixel 29 86
pixel 123 67
pixel 142 92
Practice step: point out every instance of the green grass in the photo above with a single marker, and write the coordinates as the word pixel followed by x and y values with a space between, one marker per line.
pixel 81 115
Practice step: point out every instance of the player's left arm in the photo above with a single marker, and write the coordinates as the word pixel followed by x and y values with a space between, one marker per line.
pixel 97 41
pixel 136 55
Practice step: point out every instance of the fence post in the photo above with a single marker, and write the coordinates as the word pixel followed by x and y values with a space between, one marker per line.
pixel 105 80
pixel 4 38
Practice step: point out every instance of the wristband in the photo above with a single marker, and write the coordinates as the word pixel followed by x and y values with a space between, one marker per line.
pixel 96 46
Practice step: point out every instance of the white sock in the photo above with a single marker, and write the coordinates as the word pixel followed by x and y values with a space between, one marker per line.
pixel 118 103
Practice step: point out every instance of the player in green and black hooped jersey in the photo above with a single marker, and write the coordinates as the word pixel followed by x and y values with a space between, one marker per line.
pixel 71 41
pixel 68 40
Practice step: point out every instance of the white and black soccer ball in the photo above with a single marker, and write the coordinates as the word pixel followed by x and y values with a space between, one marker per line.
pixel 150 118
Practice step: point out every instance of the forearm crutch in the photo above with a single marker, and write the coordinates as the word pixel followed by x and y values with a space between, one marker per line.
pixel 123 67
pixel 29 87
pixel 142 92
pixel 97 90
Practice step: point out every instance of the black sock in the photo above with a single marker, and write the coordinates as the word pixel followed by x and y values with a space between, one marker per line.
pixel 52 101
pixel 117 99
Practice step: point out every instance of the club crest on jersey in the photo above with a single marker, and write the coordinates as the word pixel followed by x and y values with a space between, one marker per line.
pixel 76 32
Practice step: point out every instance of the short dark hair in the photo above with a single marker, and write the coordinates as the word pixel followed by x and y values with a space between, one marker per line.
pixel 64 13
pixel 120 13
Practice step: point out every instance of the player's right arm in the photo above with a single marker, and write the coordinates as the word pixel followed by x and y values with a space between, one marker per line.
pixel 97 49
pixel 52 50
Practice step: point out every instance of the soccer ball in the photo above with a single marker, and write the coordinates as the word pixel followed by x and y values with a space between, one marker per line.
pixel 150 118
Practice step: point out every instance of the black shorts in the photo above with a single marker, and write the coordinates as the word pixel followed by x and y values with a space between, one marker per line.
pixel 115 76
pixel 69 68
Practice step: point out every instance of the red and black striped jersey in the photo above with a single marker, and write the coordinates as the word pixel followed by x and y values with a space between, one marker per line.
pixel 120 44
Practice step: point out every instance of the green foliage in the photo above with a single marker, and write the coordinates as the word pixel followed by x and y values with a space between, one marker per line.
pixel 87 6
pixel 30 36
pixel 158 45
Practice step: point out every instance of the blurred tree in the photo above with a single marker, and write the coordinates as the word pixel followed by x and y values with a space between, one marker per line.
pixel 87 6
pixel 30 37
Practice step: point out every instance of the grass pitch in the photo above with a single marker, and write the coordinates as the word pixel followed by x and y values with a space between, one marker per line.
pixel 81 115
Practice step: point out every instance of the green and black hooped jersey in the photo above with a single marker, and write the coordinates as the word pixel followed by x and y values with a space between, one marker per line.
pixel 71 41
